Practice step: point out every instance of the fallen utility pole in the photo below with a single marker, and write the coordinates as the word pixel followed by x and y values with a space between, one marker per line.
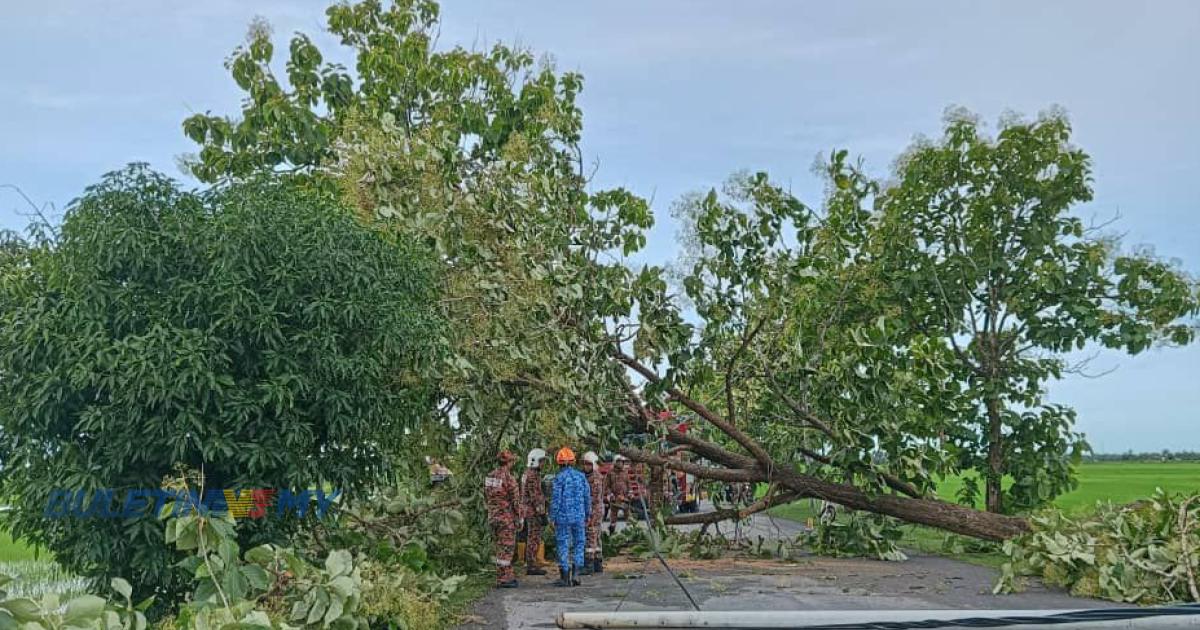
pixel 1093 619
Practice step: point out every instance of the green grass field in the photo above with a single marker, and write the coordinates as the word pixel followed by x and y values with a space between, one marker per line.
pixel 1118 482
pixel 11 551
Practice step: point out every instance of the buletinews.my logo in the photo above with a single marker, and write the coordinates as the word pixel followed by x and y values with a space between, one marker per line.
pixel 253 503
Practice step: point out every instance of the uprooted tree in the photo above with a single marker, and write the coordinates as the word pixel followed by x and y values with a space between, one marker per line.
pixel 803 368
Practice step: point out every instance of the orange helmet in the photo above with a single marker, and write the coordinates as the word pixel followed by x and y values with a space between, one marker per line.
pixel 565 456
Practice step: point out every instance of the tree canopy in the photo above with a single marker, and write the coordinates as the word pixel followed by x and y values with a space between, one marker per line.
pixel 985 251
pixel 255 332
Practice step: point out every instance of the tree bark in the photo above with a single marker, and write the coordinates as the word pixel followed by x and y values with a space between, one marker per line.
pixel 760 467
pixel 932 512
pixel 995 469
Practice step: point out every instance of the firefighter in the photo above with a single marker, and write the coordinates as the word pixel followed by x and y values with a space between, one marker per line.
pixel 617 491
pixel 503 500
pixel 637 488
pixel 570 508
pixel 533 509
pixel 593 558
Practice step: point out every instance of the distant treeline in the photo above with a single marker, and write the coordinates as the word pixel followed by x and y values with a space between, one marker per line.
pixel 1158 456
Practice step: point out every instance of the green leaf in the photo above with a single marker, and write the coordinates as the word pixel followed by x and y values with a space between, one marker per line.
pixel 84 608
pixel 22 609
pixel 339 562
pixel 334 611
pixel 122 587
pixel 262 555
pixel 320 603
pixel 257 577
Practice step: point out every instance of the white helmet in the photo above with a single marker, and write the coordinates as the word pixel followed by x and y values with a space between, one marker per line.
pixel 620 458
pixel 591 458
pixel 535 458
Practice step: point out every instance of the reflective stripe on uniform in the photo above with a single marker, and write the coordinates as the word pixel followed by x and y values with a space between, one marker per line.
pixel 493 482
pixel 501 563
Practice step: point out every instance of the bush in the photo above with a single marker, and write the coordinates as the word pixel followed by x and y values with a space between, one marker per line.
pixel 254 332
pixel 857 534
pixel 1147 552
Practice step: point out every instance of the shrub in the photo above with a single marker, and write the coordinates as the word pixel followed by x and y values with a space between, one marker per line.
pixel 254 332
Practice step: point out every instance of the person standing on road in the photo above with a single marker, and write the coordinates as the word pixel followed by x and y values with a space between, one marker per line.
pixel 533 509
pixel 617 491
pixel 502 496
pixel 593 558
pixel 637 488
pixel 570 508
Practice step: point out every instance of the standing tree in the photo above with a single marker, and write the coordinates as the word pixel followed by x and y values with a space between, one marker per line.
pixel 983 251
pixel 256 333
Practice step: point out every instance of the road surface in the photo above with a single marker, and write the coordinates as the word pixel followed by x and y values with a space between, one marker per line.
pixel 809 583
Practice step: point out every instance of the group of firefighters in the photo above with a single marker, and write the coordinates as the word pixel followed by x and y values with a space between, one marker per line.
pixel 579 498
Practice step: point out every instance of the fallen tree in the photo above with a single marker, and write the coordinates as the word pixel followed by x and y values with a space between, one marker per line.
pixel 759 466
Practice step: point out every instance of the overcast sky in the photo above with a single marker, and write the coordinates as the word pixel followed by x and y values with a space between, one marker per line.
pixel 678 94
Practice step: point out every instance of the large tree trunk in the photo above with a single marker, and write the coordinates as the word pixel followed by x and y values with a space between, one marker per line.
pixel 932 512
pixel 757 466
pixel 995 461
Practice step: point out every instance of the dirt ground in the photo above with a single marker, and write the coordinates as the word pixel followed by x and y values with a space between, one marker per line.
pixel 922 582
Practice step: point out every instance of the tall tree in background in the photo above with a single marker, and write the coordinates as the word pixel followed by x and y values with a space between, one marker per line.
pixel 983 250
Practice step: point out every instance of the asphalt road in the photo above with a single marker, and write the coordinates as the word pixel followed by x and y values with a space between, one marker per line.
pixel 809 583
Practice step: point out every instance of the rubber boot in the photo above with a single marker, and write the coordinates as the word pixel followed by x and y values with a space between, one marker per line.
pixel 508 584
pixel 587 567
pixel 574 579
pixel 534 570
pixel 564 578
pixel 598 565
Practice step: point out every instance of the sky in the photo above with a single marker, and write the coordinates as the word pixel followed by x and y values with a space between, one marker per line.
pixel 681 93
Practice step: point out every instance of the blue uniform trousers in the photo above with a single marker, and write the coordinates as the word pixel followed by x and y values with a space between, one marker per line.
pixel 569 541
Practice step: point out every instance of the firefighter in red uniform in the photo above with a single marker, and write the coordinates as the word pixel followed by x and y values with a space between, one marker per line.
pixel 617 492
pixel 533 509
pixel 637 487
pixel 503 499
pixel 593 558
